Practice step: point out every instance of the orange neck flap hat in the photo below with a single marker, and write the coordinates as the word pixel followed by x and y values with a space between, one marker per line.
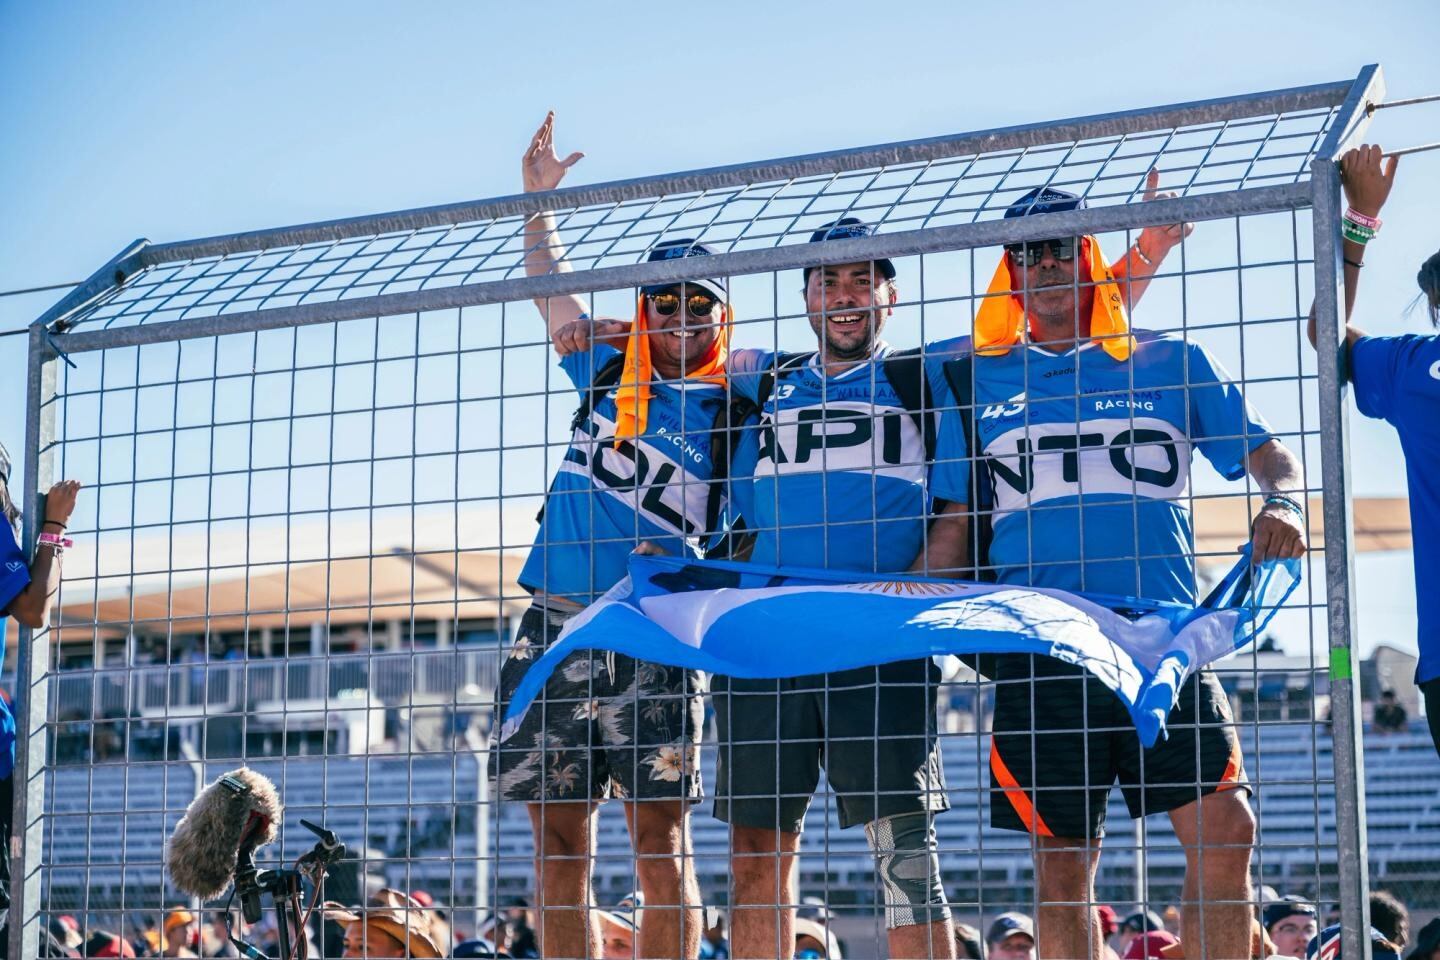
pixel 638 373
pixel 1000 321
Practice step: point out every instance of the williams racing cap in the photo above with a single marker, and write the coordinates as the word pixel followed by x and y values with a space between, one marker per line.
pixel 677 250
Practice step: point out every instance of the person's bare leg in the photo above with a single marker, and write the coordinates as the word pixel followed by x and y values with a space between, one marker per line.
pixel 665 863
pixel 1067 927
pixel 1218 833
pixel 762 911
pixel 566 926
pixel 921 940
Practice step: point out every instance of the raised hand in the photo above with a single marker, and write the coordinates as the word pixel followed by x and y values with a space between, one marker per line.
pixel 542 169
pixel 1156 242
pixel 1367 178
pixel 60 501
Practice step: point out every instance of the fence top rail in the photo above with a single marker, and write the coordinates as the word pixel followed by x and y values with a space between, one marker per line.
pixel 1217 146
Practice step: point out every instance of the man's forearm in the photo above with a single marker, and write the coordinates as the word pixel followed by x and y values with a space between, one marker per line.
pixel 945 546
pixel 1132 275
pixel 1276 469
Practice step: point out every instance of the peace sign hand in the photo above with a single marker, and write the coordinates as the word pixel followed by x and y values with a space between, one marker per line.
pixel 542 169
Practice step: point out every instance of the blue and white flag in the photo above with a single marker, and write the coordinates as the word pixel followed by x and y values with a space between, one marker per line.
pixel 745 620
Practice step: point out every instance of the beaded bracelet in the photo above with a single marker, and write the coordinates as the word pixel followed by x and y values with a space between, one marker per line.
pixel 1356 233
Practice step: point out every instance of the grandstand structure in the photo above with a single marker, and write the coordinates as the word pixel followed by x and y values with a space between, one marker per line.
pixel 313 456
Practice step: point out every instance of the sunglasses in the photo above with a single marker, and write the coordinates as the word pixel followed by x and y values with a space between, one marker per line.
pixel 697 304
pixel 1031 252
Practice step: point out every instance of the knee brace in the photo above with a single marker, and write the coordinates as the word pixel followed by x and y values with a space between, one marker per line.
pixel 909 868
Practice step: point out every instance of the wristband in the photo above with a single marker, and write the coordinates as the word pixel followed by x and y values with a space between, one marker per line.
pixel 1372 222
pixel 1141 254
pixel 1356 234
pixel 1280 499
pixel 1353 263
pixel 56 522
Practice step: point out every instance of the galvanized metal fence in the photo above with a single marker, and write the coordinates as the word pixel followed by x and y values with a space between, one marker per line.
pixel 312 456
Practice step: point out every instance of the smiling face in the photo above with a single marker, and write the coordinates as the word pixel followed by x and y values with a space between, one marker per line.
pixel 1057 305
pixel 848 304
pixel 680 342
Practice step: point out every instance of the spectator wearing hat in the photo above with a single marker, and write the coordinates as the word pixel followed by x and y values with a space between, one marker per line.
pixel 1326 946
pixel 1136 924
pixel 1291 923
pixel 384 931
pixel 103 943
pixel 66 931
pixel 1150 946
pixel 814 940
pixel 1427 942
pixel 1011 937
pixel 178 934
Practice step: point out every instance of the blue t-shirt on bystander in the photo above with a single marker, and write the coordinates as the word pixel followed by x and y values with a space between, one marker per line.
pixel 1397 379
pixel 14 577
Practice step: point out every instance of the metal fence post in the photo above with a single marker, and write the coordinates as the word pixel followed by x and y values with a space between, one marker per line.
pixel 1354 864
pixel 32 701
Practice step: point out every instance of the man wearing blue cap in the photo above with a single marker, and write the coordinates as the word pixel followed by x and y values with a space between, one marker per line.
pixel 1070 461
pixel 644 463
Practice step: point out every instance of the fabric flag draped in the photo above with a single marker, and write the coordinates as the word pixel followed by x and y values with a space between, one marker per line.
pixel 745 620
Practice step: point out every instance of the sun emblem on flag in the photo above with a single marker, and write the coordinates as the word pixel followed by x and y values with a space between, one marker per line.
pixel 908 588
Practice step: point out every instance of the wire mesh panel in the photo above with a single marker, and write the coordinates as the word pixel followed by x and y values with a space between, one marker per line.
pixel 317 462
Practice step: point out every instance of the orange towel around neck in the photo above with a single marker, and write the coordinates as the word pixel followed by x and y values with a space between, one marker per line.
pixel 1000 321
pixel 637 376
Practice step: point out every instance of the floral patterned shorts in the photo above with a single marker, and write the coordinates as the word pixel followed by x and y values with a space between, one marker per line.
pixel 606 725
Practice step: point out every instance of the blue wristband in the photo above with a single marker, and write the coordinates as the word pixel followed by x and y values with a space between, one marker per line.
pixel 1286 501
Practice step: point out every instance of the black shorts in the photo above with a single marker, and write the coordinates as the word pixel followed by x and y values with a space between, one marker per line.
pixel 872 729
pixel 605 725
pixel 1062 738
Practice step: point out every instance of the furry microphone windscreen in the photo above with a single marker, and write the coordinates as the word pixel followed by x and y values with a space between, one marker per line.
pixel 240 808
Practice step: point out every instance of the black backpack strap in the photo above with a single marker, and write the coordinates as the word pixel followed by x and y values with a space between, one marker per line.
pixel 736 414
pixel 905 369
pixel 960 375
pixel 606 377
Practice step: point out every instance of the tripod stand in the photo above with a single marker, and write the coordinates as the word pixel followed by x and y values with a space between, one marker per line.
pixel 285 889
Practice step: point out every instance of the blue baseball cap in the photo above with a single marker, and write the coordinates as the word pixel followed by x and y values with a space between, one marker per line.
pixel 1045 200
pixel 847 228
pixel 677 250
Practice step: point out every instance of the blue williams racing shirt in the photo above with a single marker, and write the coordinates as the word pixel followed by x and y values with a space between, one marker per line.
pixel 1089 461
pixel 605 497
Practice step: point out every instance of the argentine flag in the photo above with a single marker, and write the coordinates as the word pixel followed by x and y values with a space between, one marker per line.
pixel 745 620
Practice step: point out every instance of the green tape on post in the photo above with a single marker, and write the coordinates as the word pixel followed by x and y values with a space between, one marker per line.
pixel 1340 663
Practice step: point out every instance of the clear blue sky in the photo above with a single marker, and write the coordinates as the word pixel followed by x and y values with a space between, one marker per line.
pixel 174 120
